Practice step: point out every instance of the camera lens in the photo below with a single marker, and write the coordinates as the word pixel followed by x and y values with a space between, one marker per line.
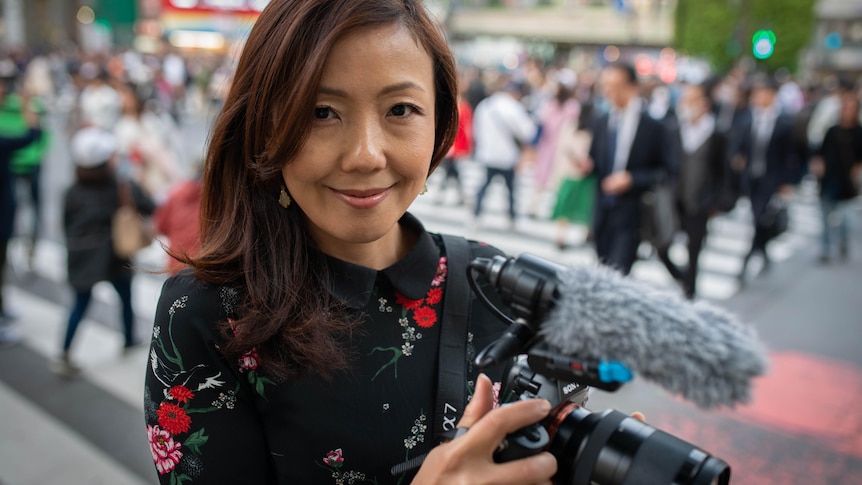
pixel 612 448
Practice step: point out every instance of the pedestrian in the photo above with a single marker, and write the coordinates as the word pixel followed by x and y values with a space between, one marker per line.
pixel 703 170
pixel 302 345
pixel 145 152
pixel 462 149
pixel 26 162
pixel 99 104
pixel 576 193
pixel 178 218
pixel 838 167
pixel 766 160
pixel 630 155
pixel 8 146
pixel 89 205
pixel 562 109
pixel 501 128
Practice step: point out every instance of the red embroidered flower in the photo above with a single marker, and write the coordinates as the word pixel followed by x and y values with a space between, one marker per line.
pixel 166 452
pixel 181 393
pixel 407 302
pixel 425 317
pixel 334 458
pixel 434 295
pixel 173 418
pixel 248 361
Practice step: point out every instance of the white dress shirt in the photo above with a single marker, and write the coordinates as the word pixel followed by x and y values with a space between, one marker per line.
pixel 627 121
pixel 498 120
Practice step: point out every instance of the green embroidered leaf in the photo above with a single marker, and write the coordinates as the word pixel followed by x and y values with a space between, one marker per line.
pixel 258 387
pixel 179 479
pixel 396 354
pixel 266 380
pixel 201 410
pixel 196 440
pixel 176 358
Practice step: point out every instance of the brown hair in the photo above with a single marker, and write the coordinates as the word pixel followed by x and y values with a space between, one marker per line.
pixel 247 239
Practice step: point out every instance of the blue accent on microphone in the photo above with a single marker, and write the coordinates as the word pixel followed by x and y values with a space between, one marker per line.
pixel 613 371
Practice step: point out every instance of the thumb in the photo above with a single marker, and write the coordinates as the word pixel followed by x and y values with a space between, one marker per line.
pixel 480 404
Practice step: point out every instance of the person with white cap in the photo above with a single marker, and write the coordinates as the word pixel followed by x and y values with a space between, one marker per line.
pixel 90 204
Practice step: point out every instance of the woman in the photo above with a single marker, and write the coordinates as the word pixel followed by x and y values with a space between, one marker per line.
pixel 557 113
pixel 574 201
pixel 89 206
pixel 302 345
pixel 143 136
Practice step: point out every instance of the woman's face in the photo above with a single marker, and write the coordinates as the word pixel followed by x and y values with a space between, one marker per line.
pixel 371 142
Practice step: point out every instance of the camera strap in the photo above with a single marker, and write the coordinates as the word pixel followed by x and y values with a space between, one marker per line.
pixel 452 350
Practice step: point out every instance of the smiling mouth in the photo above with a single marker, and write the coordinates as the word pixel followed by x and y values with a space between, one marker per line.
pixel 362 194
pixel 362 199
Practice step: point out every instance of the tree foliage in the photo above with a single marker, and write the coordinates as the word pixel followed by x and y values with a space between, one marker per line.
pixel 721 30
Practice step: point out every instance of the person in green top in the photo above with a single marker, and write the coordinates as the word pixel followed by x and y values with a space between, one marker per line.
pixel 25 163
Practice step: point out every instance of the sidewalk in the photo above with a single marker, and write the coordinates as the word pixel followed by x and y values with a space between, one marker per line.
pixel 804 425
pixel 85 431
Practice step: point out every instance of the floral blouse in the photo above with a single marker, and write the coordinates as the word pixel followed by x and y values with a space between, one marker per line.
pixel 212 420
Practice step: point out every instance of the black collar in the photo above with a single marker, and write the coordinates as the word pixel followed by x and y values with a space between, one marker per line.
pixel 411 276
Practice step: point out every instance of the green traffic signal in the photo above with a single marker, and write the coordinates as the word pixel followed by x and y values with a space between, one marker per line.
pixel 763 44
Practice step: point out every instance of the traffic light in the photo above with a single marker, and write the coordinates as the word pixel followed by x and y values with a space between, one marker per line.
pixel 763 44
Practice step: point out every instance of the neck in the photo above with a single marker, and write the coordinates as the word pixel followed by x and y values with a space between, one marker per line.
pixel 379 254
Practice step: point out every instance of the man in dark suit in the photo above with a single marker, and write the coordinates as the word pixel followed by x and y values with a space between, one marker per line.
pixel 702 154
pixel 765 158
pixel 630 154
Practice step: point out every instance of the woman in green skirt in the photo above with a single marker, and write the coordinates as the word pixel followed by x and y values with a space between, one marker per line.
pixel 576 194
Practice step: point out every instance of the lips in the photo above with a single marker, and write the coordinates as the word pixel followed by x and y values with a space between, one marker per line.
pixel 362 199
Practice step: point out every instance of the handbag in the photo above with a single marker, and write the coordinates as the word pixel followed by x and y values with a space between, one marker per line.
pixel 659 220
pixel 728 193
pixel 129 232
pixel 775 219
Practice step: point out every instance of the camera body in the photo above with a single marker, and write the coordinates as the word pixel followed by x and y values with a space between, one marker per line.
pixel 602 448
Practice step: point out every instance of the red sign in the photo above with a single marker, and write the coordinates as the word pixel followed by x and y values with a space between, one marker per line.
pixel 214 6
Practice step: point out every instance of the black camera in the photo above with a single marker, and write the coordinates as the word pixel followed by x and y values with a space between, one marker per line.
pixel 591 448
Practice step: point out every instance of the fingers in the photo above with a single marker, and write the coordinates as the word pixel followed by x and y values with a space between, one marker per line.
pixel 495 425
pixel 639 416
pixel 469 458
pixel 534 469
pixel 480 404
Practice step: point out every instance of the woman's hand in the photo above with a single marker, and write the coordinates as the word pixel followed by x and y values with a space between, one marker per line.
pixel 469 458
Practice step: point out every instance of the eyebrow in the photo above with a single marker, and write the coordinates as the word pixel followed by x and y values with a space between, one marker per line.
pixel 406 85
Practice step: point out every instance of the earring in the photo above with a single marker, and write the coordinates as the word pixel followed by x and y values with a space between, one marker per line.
pixel 424 189
pixel 283 198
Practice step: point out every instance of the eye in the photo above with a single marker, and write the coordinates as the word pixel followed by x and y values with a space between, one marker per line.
pixel 402 110
pixel 323 112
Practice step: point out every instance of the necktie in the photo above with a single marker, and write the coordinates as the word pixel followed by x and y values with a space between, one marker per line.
pixel 761 142
pixel 613 126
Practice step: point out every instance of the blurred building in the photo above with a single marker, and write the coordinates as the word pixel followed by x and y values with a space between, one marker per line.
pixel 103 24
pixel 37 23
pixel 583 33
pixel 836 47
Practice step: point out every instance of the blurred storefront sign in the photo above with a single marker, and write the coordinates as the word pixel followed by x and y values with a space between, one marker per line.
pixel 208 24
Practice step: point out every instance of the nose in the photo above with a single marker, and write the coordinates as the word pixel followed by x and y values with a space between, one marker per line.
pixel 365 146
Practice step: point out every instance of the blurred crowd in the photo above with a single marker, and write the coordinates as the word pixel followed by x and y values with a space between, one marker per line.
pixel 634 159
pixel 626 158
pixel 118 116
